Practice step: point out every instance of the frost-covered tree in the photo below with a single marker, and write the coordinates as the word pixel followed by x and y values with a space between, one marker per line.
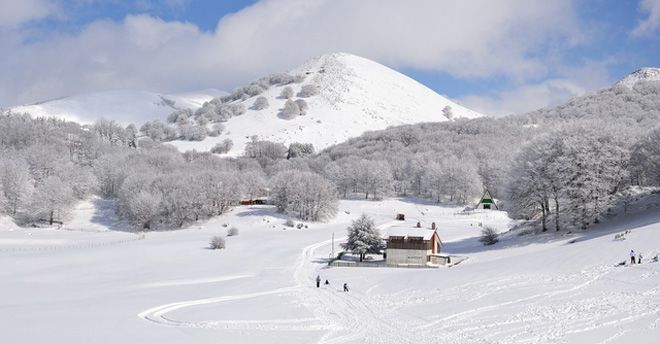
pixel 222 147
pixel 645 159
pixel 158 131
pixel 216 130
pixel 300 150
pixel 373 178
pixel 363 237
pixel 193 132
pixel 290 110
pixel 287 93
pixel 302 105
pixel 447 112
pixel 306 195
pixel 51 201
pixel 260 103
pixel 265 151
pixel 308 91
pixel 15 184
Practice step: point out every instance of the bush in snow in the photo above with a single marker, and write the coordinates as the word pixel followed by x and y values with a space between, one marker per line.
pixel 222 147
pixel 233 231
pixel 289 223
pixel 287 93
pixel 308 91
pixel 363 237
pixel 217 243
pixel 260 103
pixel 302 105
pixel 291 110
pixel 488 236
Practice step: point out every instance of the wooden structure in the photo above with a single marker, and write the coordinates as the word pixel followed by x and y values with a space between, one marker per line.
pixel 253 201
pixel 411 246
pixel 486 202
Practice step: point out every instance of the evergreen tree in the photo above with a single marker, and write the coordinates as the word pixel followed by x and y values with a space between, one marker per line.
pixel 363 237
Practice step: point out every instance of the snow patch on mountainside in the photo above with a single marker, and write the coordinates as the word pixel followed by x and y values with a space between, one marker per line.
pixel 123 106
pixel 642 74
pixel 355 95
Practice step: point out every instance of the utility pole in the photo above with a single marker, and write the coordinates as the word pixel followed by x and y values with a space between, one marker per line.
pixel 333 245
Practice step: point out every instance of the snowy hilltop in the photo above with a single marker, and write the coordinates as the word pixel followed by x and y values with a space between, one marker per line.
pixel 642 74
pixel 123 106
pixel 325 101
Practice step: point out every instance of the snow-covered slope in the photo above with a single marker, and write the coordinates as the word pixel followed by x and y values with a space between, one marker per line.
pixel 642 74
pixel 123 106
pixel 355 95
pixel 113 286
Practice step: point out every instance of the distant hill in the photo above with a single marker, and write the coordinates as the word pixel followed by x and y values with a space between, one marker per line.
pixel 123 106
pixel 350 95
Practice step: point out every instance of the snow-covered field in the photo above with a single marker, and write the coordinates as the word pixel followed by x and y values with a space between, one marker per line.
pixel 122 106
pixel 84 283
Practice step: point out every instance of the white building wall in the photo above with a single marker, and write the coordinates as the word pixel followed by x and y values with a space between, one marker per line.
pixel 396 256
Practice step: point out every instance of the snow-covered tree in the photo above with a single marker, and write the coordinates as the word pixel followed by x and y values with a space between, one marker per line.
pixel 308 91
pixel 216 129
pixel 222 147
pixel 363 237
pixel 287 93
pixel 302 105
pixel 291 110
pixel 51 201
pixel 260 103
pixel 300 150
pixel 306 195
pixel 447 112
pixel 15 184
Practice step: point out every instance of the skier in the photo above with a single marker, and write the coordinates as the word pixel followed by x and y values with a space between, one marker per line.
pixel 639 258
pixel 655 259
pixel 632 257
pixel 318 281
pixel 346 287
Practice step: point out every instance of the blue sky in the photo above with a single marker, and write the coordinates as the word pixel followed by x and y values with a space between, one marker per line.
pixel 510 57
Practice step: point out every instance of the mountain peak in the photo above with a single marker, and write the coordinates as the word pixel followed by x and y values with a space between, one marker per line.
pixel 351 95
pixel 642 74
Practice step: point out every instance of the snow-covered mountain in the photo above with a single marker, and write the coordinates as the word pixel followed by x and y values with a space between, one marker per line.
pixel 642 74
pixel 354 95
pixel 123 106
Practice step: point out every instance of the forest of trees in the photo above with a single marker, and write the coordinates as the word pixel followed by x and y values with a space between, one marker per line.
pixel 559 168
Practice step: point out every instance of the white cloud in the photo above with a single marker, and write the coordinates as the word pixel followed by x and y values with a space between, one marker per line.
pixel 651 24
pixel 573 82
pixel 467 39
pixel 14 13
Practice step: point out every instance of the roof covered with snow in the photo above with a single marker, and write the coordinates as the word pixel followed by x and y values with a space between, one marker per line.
pixel 408 232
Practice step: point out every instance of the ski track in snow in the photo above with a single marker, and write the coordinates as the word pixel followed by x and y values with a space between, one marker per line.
pixel 549 315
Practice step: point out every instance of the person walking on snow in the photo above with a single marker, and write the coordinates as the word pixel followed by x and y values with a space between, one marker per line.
pixel 346 287
pixel 639 258
pixel 318 281
pixel 632 257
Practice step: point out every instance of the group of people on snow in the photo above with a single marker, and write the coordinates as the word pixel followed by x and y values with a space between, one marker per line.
pixel 636 258
pixel 318 283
